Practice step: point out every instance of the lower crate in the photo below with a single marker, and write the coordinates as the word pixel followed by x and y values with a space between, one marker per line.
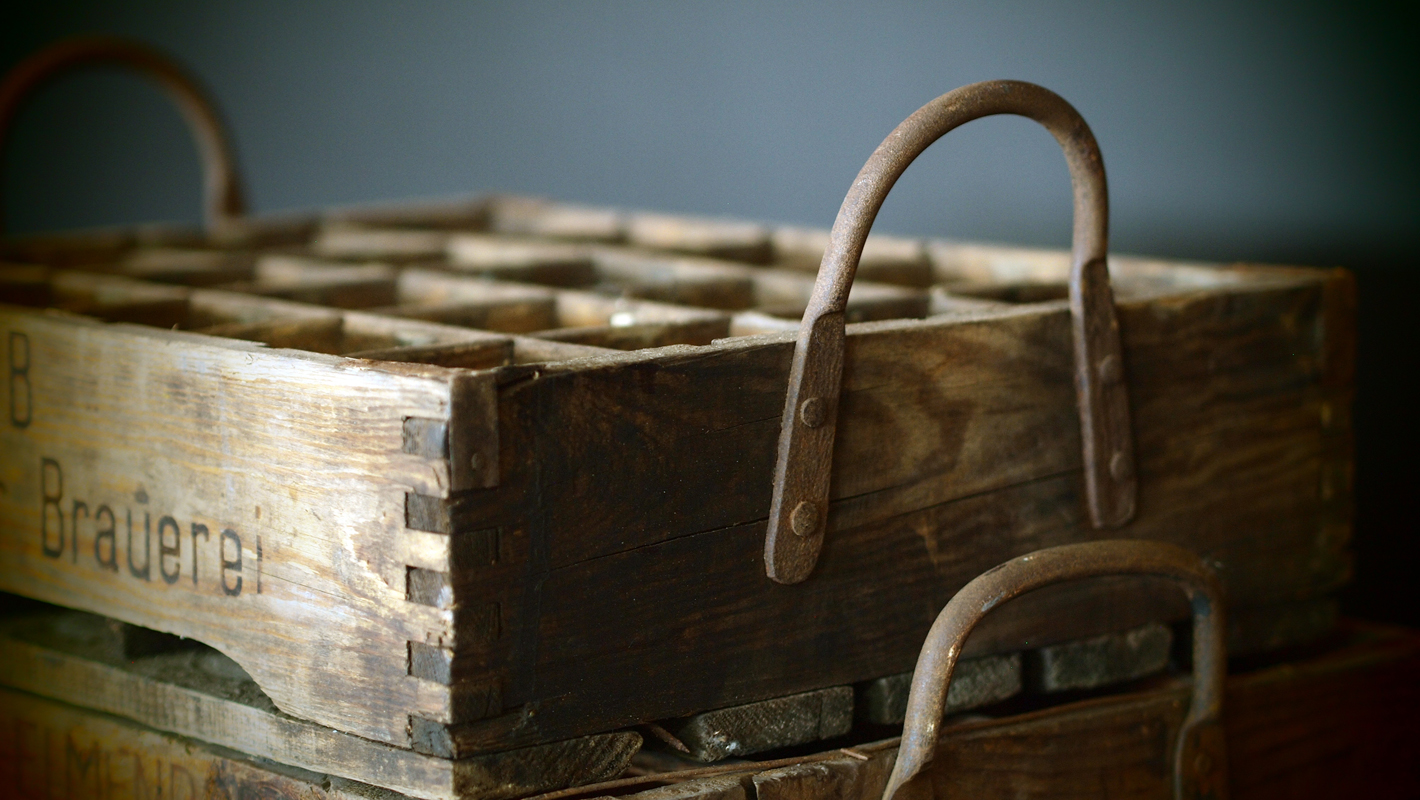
pixel 1335 724
pixel 180 687
pixel 83 660
pixel 50 749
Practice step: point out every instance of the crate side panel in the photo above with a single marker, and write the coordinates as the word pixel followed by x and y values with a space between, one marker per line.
pixel 249 498
pixel 639 551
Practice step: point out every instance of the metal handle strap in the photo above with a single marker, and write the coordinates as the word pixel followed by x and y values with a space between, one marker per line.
pixel 1200 768
pixel 799 511
pixel 223 190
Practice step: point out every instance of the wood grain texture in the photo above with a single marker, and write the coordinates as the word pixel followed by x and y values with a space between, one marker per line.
pixel 1099 660
pixel 51 750
pixel 958 449
pixel 247 497
pixel 766 725
pixel 976 682
pixel 206 696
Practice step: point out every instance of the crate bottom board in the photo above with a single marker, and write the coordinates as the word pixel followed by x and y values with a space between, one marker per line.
pixel 51 749
pixel 196 692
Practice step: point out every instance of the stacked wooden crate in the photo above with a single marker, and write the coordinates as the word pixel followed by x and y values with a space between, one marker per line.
pixel 460 488
pixel 474 499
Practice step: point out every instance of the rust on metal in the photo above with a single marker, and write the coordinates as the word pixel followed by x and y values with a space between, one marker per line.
pixel 805 453
pixel 1200 767
pixel 224 198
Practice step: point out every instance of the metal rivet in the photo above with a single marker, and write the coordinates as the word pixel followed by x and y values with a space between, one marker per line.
pixel 804 519
pixel 811 412
pixel 1108 370
pixel 474 461
pixel 1120 466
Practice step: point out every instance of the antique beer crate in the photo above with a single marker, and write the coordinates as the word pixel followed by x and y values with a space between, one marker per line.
pixel 282 438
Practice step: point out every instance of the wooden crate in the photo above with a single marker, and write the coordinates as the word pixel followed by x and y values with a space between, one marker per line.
pixel 459 541
pixel 538 539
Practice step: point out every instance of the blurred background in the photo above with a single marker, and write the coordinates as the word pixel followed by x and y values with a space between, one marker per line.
pixel 1267 131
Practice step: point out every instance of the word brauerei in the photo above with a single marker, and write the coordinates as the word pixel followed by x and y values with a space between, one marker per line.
pixel 120 538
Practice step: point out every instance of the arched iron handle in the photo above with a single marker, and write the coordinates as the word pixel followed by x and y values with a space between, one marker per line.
pixel 799 511
pixel 224 198
pixel 1200 767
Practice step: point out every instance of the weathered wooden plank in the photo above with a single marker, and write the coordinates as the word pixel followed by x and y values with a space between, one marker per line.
pixel 952 398
pixel 458 300
pixel 717 787
pixel 249 498
pixel 671 279
pixel 206 696
pixel 398 246
pixel 526 216
pixel 885 259
pixel 842 778
pixel 766 725
pixel 526 260
pixel 446 214
pixel 310 281
pixel 187 266
pixel 52 750
pixel 732 240
pixel 976 682
pixel 1099 660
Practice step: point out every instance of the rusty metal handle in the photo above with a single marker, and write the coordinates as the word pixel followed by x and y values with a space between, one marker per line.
pixel 799 511
pixel 1200 768
pixel 223 189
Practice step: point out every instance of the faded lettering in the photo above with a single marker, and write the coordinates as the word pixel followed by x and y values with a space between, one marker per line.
pixel 51 484
pixel 224 553
pixel 165 551
pixel 233 564
pixel 21 392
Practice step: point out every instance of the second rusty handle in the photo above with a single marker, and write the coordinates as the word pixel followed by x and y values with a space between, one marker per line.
pixel 1200 755
pixel 224 199
pixel 798 514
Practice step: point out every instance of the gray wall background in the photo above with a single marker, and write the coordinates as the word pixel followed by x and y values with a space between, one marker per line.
pixel 1269 131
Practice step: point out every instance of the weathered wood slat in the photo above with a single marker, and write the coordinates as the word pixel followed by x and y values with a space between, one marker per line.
pixel 525 216
pixel 206 696
pixel 52 750
pixel 976 682
pixel 732 240
pixel 215 489
pixel 1099 660
pixel 766 725
pixel 885 259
